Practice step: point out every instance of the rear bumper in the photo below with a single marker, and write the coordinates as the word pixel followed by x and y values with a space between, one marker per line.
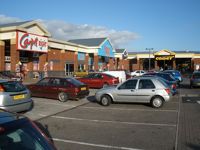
pixel 19 107
pixel 167 98
pixel 82 94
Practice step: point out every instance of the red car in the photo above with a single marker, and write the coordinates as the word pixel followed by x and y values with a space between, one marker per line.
pixel 59 88
pixel 99 80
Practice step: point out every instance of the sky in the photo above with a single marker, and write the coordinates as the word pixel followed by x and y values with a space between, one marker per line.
pixel 135 25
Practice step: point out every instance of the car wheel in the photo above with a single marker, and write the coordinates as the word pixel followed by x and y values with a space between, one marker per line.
pixel 157 102
pixel 105 100
pixel 62 97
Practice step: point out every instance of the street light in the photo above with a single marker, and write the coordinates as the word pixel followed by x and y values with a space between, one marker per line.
pixel 149 57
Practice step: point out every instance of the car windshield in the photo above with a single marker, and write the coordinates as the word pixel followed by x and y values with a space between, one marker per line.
pixel 74 81
pixel 21 134
pixel 13 86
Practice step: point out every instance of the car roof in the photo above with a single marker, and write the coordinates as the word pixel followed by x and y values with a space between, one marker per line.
pixel 145 77
pixel 3 80
pixel 6 116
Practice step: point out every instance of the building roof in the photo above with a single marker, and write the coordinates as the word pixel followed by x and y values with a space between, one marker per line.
pixel 90 42
pixel 120 50
pixel 13 24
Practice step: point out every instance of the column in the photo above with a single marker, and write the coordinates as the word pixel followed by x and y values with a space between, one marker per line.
pixel 14 54
pixel 156 65
pixel 75 61
pixel 96 60
pixel 86 62
pixel 2 55
pixel 42 61
pixel 174 64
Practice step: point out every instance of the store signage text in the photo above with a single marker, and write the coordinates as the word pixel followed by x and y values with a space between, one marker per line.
pixel 31 42
pixel 164 57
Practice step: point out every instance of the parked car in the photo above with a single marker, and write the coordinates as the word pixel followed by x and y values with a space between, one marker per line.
pixel 176 74
pixel 172 83
pixel 14 96
pixel 118 74
pixel 138 89
pixel 19 132
pixel 59 88
pixel 137 73
pixel 195 79
pixel 99 80
pixel 9 76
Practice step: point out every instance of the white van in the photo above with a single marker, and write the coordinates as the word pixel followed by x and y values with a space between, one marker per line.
pixel 120 74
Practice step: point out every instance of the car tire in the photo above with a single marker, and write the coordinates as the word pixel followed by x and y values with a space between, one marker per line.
pixel 105 100
pixel 63 97
pixel 157 102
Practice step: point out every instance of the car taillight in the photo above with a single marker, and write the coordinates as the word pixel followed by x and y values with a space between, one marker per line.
pixel 168 91
pixel 77 90
pixel 173 86
pixel 1 88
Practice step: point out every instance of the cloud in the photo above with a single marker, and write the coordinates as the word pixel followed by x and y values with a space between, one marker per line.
pixel 5 19
pixel 66 31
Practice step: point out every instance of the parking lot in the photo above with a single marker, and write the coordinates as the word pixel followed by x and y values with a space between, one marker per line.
pixel 85 124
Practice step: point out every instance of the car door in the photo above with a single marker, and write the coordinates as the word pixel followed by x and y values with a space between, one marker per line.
pixel 52 89
pixel 126 92
pixel 39 89
pixel 146 89
pixel 97 80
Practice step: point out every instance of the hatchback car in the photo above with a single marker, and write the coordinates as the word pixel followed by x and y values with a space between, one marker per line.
pixel 99 80
pixel 9 76
pixel 195 79
pixel 59 88
pixel 19 133
pixel 138 89
pixel 14 96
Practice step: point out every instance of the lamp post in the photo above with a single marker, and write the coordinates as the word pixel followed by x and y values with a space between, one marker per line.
pixel 149 49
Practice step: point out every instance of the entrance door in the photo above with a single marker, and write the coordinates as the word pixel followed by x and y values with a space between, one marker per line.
pixel 69 69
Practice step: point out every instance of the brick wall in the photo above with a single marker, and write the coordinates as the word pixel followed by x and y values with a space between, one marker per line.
pixel 2 55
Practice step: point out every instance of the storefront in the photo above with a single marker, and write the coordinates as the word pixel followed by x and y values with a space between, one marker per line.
pixel 101 53
pixel 27 47
pixel 184 61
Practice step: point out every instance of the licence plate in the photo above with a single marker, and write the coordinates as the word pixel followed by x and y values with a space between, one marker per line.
pixel 18 97
pixel 83 88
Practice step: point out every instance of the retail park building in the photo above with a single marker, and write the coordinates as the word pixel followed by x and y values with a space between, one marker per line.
pixel 32 46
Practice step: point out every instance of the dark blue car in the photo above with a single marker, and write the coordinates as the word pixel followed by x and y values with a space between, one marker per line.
pixel 176 74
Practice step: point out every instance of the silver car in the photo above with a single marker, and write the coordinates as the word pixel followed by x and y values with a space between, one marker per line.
pixel 139 89
pixel 14 96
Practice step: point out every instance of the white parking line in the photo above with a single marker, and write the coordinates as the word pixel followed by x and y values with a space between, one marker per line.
pixel 94 145
pixel 49 103
pixel 117 122
pixel 127 109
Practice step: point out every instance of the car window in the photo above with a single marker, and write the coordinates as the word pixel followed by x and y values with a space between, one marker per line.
pixel 98 76
pixel 74 81
pixel 137 71
pixel 146 84
pixel 44 81
pixel 196 75
pixel 130 84
pixel 13 86
pixel 22 135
